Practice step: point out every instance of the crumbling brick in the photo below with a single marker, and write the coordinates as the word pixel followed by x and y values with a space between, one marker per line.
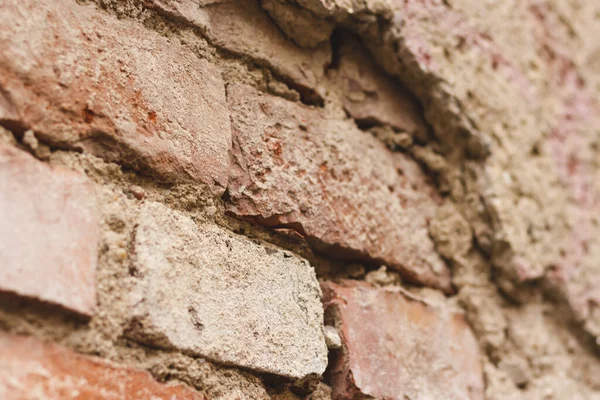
pixel 369 95
pixel 294 167
pixel 81 79
pixel 31 369
pixel 243 28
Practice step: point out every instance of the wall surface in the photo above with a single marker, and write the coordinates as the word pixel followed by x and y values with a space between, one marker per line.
pixel 283 199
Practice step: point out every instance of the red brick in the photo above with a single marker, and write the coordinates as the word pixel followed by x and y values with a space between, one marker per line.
pixel 398 347
pixel 369 95
pixel 338 186
pixel 49 232
pixel 243 28
pixel 30 369
pixel 82 79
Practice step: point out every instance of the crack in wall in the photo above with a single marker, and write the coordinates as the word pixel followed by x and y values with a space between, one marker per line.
pixel 456 158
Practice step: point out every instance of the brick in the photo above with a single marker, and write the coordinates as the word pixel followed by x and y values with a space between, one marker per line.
pixel 308 30
pixel 217 295
pixel 340 187
pixel 31 369
pixel 49 232
pixel 243 28
pixel 369 95
pixel 81 79
pixel 398 347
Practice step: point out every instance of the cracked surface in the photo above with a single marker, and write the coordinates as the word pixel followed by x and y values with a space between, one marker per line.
pixel 514 99
pixel 78 79
pixel 296 167
pixel 499 166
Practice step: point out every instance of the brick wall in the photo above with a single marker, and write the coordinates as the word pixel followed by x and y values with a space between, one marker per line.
pixel 284 199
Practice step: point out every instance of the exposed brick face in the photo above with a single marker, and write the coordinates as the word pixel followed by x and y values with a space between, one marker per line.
pixel 300 199
pixel 31 369
pixel 243 28
pixel 398 347
pixel 49 232
pixel 337 185
pixel 369 95
pixel 84 80
pixel 221 296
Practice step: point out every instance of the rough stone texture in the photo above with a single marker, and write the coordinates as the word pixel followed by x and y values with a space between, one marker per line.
pixel 369 95
pixel 31 369
pixel 243 28
pixel 398 347
pixel 509 95
pixel 49 232
pixel 307 31
pixel 513 87
pixel 539 181
pixel 84 80
pixel 338 186
pixel 213 294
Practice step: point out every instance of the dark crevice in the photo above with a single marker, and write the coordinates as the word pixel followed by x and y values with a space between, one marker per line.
pixel 331 252
pixel 18 303
pixel 336 42
pixel 364 124
pixel 428 134
pixel 17 128
pixel 424 132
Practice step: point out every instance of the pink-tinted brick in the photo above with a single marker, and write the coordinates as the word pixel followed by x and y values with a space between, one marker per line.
pixel 30 369
pixel 398 347
pixel 82 79
pixel 340 187
pixel 48 232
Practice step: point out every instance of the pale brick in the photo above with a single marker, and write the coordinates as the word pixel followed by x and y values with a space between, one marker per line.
pixel 398 347
pixel 341 188
pixel 217 295
pixel 49 232
pixel 81 79
pixel 30 369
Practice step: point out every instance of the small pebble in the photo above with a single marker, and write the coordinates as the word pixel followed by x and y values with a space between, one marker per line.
pixel 137 192
pixel 332 338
